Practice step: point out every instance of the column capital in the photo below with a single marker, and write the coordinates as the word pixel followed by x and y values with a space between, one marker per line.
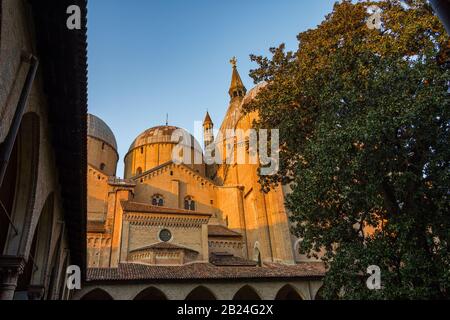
pixel 14 264
pixel 11 267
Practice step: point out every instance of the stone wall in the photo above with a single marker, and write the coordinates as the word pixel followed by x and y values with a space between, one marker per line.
pixel 37 206
pixel 102 156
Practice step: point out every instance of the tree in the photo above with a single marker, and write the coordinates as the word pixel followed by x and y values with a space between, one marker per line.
pixel 364 122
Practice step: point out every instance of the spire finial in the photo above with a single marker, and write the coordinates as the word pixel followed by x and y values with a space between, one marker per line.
pixel 167 119
pixel 233 62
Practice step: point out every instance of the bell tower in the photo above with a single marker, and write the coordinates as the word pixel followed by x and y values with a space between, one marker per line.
pixel 208 134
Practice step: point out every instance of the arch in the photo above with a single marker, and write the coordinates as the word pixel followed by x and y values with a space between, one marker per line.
pixel 7 196
pixel 201 293
pixel 297 255
pixel 319 294
pixel 1 23
pixel 97 294
pixel 43 234
pixel 35 271
pixel 257 254
pixel 53 270
pixel 151 293
pixel 25 190
pixel 26 167
pixel 246 293
pixel 288 292
pixel 61 294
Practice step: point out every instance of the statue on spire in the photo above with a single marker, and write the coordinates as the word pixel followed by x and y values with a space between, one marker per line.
pixel 233 62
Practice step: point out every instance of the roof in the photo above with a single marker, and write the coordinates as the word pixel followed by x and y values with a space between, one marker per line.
pixel 236 81
pixel 207 119
pixel 62 57
pixel 227 259
pixel 165 134
pixel 143 207
pixel 221 231
pixel 97 128
pixel 163 246
pixel 204 271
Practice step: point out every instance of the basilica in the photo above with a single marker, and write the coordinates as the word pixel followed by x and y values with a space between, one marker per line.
pixel 195 231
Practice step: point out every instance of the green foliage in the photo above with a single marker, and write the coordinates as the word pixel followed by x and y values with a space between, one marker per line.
pixel 364 131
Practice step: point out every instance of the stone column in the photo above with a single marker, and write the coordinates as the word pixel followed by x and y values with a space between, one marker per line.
pixel 11 267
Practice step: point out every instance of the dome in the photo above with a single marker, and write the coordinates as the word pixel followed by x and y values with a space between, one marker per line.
pixel 97 128
pixel 163 134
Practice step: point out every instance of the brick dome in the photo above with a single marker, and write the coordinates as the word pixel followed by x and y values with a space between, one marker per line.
pixel 164 134
pixel 97 128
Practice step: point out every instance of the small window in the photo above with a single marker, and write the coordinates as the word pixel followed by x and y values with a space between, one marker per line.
pixel 139 171
pixel 158 200
pixel 142 150
pixel 103 146
pixel 102 166
pixel 189 204
pixel 165 235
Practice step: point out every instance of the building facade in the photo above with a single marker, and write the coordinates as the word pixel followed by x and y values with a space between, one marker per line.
pixel 180 227
pixel 43 108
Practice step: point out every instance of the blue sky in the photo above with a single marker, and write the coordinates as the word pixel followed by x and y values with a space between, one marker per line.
pixel 152 57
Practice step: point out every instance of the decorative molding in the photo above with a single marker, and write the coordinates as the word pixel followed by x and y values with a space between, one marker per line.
pixel 225 244
pixel 139 219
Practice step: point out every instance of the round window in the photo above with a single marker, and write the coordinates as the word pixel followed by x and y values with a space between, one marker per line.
pixel 165 235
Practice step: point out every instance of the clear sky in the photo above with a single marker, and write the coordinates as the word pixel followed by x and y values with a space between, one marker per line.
pixel 152 57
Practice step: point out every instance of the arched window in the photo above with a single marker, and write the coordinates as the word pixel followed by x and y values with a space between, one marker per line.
pixel 102 166
pixel 189 204
pixel 158 200
pixel 139 171
pixel 257 256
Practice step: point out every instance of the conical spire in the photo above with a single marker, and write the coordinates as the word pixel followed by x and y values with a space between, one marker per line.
pixel 237 88
pixel 207 119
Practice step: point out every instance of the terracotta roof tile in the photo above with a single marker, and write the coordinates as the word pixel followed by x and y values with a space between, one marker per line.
pixel 164 246
pixel 227 259
pixel 221 231
pixel 204 271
